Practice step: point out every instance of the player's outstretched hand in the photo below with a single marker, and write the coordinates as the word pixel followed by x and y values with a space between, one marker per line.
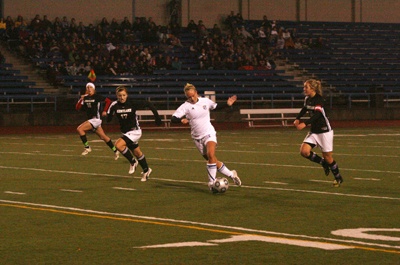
pixel 231 100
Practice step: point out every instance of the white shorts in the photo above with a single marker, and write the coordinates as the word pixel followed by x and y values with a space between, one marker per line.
pixel 201 144
pixel 96 123
pixel 323 140
pixel 134 135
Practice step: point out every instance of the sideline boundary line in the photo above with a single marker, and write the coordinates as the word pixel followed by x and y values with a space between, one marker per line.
pixel 196 225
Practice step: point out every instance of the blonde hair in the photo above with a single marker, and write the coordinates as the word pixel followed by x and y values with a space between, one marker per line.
pixel 189 87
pixel 315 85
pixel 121 88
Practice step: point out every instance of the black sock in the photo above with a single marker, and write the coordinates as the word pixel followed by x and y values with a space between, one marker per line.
pixel 84 141
pixel 315 158
pixel 111 145
pixel 335 169
pixel 128 155
pixel 143 163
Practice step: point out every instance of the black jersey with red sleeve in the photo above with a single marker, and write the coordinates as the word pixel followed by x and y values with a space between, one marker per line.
pixel 92 105
pixel 126 113
pixel 318 120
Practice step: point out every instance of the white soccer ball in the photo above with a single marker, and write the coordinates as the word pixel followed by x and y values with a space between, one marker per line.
pixel 220 185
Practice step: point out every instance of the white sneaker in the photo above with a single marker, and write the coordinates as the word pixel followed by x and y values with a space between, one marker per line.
pixel 133 166
pixel 116 155
pixel 145 176
pixel 210 185
pixel 86 151
pixel 236 178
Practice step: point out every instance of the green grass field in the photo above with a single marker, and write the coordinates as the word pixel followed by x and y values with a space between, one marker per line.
pixel 58 207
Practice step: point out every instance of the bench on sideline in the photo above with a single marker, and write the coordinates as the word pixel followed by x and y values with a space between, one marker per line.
pixel 281 115
pixel 165 115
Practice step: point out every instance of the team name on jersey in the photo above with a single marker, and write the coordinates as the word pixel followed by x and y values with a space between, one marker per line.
pixel 89 100
pixel 124 110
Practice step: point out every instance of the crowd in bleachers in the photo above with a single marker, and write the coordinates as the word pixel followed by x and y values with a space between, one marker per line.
pixel 65 47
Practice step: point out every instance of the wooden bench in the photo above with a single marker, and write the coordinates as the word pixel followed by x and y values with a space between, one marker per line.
pixel 281 115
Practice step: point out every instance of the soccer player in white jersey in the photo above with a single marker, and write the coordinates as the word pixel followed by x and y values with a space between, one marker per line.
pixel 321 133
pixel 196 112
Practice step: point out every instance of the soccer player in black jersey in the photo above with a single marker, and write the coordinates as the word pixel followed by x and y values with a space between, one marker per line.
pixel 125 110
pixel 92 103
pixel 321 133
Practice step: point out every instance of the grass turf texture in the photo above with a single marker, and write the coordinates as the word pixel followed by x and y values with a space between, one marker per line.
pixel 58 207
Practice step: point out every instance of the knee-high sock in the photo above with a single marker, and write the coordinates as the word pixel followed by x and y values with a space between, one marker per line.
pixel 212 172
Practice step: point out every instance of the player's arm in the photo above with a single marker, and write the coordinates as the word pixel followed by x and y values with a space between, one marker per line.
pixel 317 114
pixel 79 104
pixel 111 111
pixel 107 103
pixel 149 105
pixel 300 125
pixel 228 104
pixel 179 116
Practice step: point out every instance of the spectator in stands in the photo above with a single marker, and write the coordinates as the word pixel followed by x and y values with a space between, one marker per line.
pixel 202 31
pixel 216 32
pixel 9 22
pixel 125 111
pixel 280 42
pixel 46 23
pixel 196 113
pixel 191 26
pixel 321 133
pixel 125 24
pixel 36 23
pixel 91 102
pixel 176 64
pixel 65 24
pixel 20 23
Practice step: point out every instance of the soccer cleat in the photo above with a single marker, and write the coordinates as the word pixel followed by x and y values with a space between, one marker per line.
pixel 116 155
pixel 236 178
pixel 211 187
pixel 86 151
pixel 326 168
pixel 145 175
pixel 338 181
pixel 133 166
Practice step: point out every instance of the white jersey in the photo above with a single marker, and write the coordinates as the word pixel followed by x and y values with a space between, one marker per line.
pixel 198 115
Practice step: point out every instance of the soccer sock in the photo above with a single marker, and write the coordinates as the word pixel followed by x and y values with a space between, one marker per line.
pixel 212 172
pixel 225 171
pixel 128 155
pixel 335 169
pixel 315 158
pixel 143 163
pixel 85 141
pixel 111 145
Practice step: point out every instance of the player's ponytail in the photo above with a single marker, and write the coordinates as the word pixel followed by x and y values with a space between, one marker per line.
pixel 315 85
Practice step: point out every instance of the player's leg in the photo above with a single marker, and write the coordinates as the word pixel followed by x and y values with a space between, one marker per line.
pixel 102 135
pixel 121 145
pixel 333 167
pixel 306 151
pixel 211 145
pixel 82 128
pixel 137 152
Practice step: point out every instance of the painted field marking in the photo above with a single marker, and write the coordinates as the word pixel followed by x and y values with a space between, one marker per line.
pixel 122 188
pixel 370 179
pixel 321 181
pixel 67 190
pixel 275 182
pixel 199 182
pixel 14 192
pixel 234 232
